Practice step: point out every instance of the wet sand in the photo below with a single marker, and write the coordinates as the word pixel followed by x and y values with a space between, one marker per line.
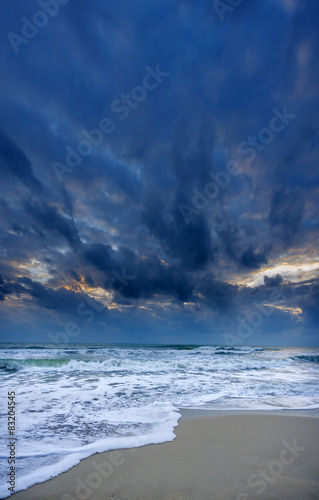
pixel 227 457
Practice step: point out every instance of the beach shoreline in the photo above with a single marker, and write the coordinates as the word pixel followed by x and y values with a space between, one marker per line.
pixel 240 456
pixel 73 403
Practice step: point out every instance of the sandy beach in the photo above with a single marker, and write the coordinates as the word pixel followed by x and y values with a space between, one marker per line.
pixel 228 457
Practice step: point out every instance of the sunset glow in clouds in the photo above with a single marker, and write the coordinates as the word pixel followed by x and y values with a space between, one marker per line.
pixel 160 166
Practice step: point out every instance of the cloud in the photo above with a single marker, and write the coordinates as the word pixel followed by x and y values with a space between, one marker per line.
pixel 47 219
pixel 286 214
pixel 218 295
pixel 273 281
pixel 253 258
pixel 114 225
pixel 137 278
pixel 15 164
pixel 61 300
pixel 190 243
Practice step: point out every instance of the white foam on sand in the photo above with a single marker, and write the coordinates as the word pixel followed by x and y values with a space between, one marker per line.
pixel 166 418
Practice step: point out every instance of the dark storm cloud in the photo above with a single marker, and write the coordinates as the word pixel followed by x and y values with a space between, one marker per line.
pixel 252 258
pixel 47 219
pixel 74 275
pixel 9 287
pixel 310 302
pixel 233 240
pixel 191 243
pixel 136 277
pixel 286 214
pixel 15 164
pixel 217 295
pixel 153 278
pixel 61 300
pixel 114 222
pixel 100 256
pixel 273 281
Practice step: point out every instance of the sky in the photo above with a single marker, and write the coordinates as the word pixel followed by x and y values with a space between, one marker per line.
pixel 159 171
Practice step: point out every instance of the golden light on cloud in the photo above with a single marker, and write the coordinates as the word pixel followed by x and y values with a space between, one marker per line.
pixel 292 272
pixel 159 304
pixel 292 266
pixel 294 311
pixel 99 294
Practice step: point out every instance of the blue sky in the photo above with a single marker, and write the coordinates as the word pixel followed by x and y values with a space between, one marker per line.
pixel 159 171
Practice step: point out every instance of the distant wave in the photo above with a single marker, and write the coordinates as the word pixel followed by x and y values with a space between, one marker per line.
pixel 20 364
pixel 177 347
pixel 103 361
pixel 230 350
pixel 314 358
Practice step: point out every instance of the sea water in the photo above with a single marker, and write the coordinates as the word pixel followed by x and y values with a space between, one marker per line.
pixel 73 401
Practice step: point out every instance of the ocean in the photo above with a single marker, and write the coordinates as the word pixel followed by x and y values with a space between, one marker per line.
pixel 72 401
